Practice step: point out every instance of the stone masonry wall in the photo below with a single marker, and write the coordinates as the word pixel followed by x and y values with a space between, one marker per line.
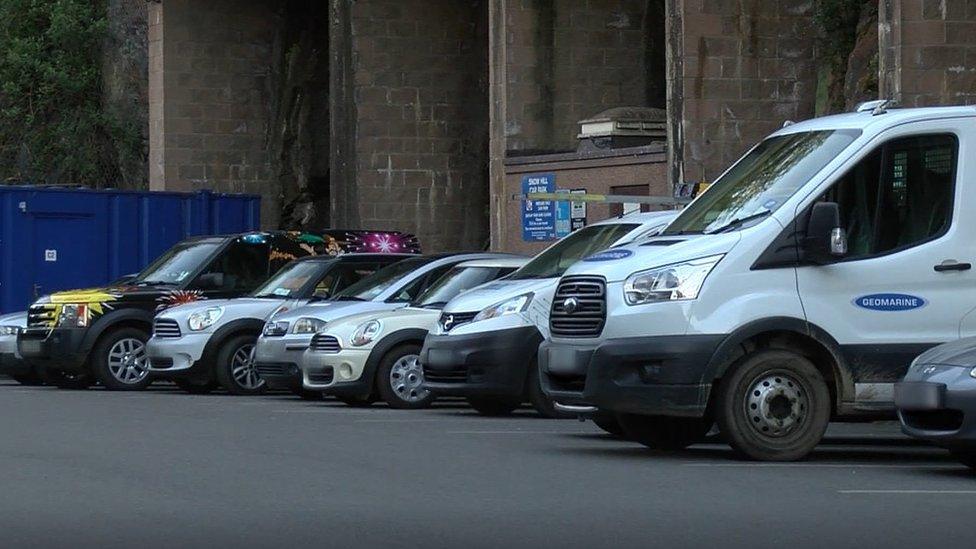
pixel 420 71
pixel 739 70
pixel 928 51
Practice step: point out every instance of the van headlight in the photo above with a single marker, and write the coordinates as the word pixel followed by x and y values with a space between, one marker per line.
pixel 366 333
pixel 308 325
pixel 514 305
pixel 670 282
pixel 201 320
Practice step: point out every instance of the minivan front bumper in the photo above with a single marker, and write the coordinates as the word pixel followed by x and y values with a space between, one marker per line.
pixel 660 375
pixel 491 363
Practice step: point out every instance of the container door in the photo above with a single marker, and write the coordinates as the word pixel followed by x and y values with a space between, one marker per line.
pixel 65 254
pixel 905 283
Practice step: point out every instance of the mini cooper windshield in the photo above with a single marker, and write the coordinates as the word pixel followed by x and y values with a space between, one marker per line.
pixel 290 281
pixel 557 258
pixel 761 181
pixel 368 288
pixel 179 262
pixel 455 281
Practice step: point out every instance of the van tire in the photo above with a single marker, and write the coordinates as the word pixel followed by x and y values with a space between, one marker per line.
pixel 494 406
pixel 608 422
pixel 195 387
pixel 664 432
pixel 105 356
pixel 61 380
pixel 763 390
pixel 542 404
pixel 231 358
pixel 403 361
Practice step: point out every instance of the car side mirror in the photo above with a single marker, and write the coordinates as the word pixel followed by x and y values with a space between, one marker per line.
pixel 825 240
pixel 211 281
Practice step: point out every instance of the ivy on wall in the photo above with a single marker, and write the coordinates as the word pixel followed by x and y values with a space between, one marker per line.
pixel 848 53
pixel 53 128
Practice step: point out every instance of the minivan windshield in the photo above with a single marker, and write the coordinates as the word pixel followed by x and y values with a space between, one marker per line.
pixel 179 262
pixel 455 281
pixel 761 181
pixel 557 258
pixel 368 288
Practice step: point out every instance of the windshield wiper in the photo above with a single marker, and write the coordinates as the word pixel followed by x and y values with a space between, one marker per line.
pixel 739 221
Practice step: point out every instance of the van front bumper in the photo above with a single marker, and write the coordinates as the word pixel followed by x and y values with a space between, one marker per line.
pixel 660 375
pixel 60 348
pixel 482 364
pixel 942 412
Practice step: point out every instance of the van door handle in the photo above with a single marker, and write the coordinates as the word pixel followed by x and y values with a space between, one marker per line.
pixel 952 265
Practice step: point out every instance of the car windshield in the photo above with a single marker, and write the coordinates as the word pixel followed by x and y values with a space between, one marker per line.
pixel 291 279
pixel 761 181
pixel 557 258
pixel 370 287
pixel 456 281
pixel 179 262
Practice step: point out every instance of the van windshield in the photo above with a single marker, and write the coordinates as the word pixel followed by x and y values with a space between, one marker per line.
pixel 177 263
pixel 557 258
pixel 761 181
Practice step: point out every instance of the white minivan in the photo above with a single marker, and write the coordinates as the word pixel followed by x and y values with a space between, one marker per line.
pixel 485 342
pixel 796 289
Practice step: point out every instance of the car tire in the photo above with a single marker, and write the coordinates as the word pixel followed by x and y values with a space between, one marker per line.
pixel 966 457
pixel 357 402
pixel 306 394
pixel 663 432
pixel 494 406
pixel 400 379
pixel 608 422
pixel 119 360
pixel 62 380
pixel 542 404
pixel 195 387
pixel 773 405
pixel 234 366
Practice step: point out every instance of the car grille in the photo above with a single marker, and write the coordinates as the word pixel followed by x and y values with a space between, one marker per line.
pixel 40 316
pixel 160 363
pixel 449 321
pixel 458 374
pixel 167 328
pixel 323 377
pixel 589 294
pixel 325 344
pixel 274 368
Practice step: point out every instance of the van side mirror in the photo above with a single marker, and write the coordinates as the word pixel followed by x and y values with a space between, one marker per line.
pixel 826 240
pixel 210 281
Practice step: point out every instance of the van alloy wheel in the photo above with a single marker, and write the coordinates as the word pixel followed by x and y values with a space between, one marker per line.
pixel 407 379
pixel 243 369
pixel 127 361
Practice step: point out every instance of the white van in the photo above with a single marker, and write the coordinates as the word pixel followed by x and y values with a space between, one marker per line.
pixel 487 338
pixel 795 290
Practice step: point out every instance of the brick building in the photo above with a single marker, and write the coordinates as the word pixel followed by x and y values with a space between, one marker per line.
pixel 422 115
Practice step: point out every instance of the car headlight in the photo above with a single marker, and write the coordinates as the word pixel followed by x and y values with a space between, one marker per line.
pixel 670 282
pixel 275 328
pixel 308 325
pixel 73 315
pixel 9 330
pixel 201 320
pixel 514 305
pixel 366 332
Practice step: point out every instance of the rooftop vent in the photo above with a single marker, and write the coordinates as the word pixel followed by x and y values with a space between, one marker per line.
pixel 623 127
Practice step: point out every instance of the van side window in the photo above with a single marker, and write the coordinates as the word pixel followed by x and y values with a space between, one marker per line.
pixel 898 196
pixel 242 267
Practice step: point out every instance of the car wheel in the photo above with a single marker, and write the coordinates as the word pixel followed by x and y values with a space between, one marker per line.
pixel 608 422
pixel 773 406
pixel 357 402
pixel 498 406
pixel 663 432
pixel 63 380
pixel 306 394
pixel 542 404
pixel 235 366
pixel 119 360
pixel 400 379
pixel 195 387
pixel 966 457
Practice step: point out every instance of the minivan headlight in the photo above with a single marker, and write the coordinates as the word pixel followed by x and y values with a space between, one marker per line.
pixel 201 320
pixel 307 325
pixel 366 332
pixel 669 283
pixel 514 305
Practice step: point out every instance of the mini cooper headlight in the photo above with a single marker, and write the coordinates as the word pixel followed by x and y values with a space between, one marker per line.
pixel 201 320
pixel 73 315
pixel 670 282
pixel 366 332
pixel 308 325
pixel 275 328
pixel 514 305
pixel 9 330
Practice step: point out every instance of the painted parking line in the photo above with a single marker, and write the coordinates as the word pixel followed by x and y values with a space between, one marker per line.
pixel 911 492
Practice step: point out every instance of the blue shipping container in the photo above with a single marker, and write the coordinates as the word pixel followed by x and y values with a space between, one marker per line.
pixel 61 238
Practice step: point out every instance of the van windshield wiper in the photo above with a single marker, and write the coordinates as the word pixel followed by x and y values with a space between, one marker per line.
pixel 739 221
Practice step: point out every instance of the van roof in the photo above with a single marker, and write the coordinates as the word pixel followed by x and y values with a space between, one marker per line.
pixel 867 120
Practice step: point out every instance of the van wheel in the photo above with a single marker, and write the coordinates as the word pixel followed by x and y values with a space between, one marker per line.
pixel 498 406
pixel 966 457
pixel 608 422
pixel 195 387
pixel 119 360
pixel 663 432
pixel 400 379
pixel 542 404
pixel 235 366
pixel 63 380
pixel 773 406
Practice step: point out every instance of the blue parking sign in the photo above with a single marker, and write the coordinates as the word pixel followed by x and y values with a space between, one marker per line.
pixel 538 217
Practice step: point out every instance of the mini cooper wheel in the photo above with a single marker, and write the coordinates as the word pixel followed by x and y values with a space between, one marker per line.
pixel 119 360
pixel 400 379
pixel 235 367
pixel 664 432
pixel 773 405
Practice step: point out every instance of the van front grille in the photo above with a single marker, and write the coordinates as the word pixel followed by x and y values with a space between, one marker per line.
pixel 579 308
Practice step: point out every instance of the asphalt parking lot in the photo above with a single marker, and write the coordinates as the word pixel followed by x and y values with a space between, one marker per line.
pixel 164 469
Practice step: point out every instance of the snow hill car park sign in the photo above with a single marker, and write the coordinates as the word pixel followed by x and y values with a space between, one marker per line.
pixel 538 217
